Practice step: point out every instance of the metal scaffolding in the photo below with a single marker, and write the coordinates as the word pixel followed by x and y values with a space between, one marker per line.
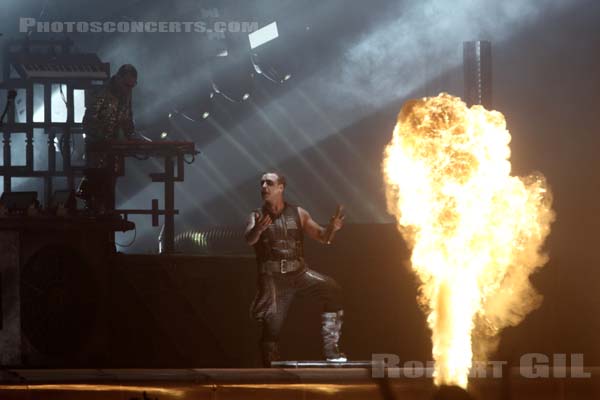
pixel 16 54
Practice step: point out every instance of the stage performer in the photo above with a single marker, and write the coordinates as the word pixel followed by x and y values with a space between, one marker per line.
pixel 276 231
pixel 109 117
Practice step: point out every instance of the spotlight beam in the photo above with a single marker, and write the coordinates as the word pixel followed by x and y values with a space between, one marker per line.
pixel 344 93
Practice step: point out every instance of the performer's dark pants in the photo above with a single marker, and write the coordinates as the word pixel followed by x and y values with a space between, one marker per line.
pixel 101 180
pixel 277 291
pixel 100 189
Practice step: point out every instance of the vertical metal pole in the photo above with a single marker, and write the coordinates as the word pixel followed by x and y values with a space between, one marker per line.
pixel 8 129
pixel 29 121
pixel 477 64
pixel 169 205
pixel 5 135
pixel 51 150
pixel 66 150
pixel 7 162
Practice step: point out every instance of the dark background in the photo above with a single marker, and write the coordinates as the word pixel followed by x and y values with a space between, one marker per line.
pixel 326 128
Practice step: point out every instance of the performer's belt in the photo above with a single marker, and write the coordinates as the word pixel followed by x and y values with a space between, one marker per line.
pixel 281 266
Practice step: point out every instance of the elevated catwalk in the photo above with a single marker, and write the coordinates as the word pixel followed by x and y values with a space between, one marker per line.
pixel 265 384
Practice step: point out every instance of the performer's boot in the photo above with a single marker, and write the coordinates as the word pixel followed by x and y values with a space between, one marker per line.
pixel 270 352
pixel 331 328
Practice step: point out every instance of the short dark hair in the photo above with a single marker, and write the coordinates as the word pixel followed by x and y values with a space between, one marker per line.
pixel 280 177
pixel 127 69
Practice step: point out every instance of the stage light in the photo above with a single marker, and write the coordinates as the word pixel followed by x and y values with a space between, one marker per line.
pixel 164 135
pixel 235 87
pixel 270 64
pixel 215 88
pixel 180 118
pixel 256 67
pixel 231 74
pixel 263 35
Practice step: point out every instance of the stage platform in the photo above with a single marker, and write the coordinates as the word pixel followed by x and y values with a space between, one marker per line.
pixel 275 383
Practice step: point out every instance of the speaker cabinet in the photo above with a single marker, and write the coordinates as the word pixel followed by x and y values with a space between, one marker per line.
pixel 54 279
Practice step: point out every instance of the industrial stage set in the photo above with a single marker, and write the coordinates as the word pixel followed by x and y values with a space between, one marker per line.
pixel 299 200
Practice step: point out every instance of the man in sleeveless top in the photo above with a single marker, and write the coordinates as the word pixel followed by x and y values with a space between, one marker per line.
pixel 276 231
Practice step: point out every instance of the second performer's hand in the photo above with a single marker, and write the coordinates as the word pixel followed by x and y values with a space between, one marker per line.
pixel 263 222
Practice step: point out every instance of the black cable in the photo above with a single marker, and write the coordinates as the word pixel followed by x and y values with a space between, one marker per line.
pixel 10 100
pixel 64 99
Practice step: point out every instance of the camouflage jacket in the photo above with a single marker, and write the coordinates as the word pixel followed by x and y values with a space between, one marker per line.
pixel 109 116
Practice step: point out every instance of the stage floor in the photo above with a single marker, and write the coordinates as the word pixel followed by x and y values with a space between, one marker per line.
pixel 265 384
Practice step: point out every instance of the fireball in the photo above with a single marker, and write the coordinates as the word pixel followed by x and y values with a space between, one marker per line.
pixel 475 231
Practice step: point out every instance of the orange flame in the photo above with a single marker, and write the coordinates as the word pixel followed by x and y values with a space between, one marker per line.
pixel 475 231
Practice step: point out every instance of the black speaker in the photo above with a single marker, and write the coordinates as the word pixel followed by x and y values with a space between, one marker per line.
pixel 54 288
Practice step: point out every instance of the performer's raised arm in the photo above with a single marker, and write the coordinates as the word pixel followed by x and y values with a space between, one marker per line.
pixel 315 231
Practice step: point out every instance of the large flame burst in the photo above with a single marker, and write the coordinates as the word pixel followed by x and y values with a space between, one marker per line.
pixel 475 230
